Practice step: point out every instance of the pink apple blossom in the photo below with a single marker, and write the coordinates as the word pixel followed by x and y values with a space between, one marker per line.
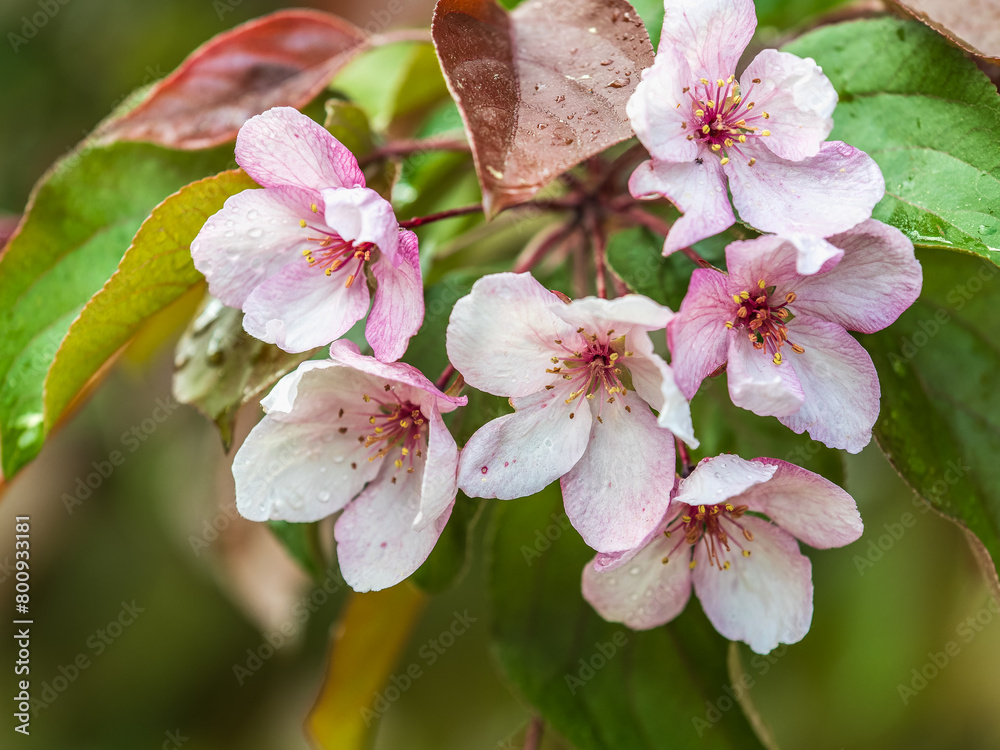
pixel 583 378
pixel 361 435
pixel 763 135
pixel 750 577
pixel 294 255
pixel 784 334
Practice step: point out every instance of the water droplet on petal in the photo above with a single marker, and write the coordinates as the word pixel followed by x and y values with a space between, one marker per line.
pixel 634 570
pixel 255 233
pixel 324 496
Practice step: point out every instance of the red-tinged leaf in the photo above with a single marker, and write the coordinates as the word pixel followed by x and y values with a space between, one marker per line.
pixel 540 89
pixel 973 25
pixel 283 59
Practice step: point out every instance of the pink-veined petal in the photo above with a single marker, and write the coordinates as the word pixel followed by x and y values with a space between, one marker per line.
pixel 762 600
pixel 813 252
pixel 719 478
pixel 697 334
pixel 806 505
pixel 418 388
pixel 654 381
pixel 284 147
pixel 660 124
pixel 759 385
pixel 799 99
pixel 620 488
pixel 296 465
pixel 698 191
pixel 377 544
pixel 362 215
pixel 501 336
pixel 440 483
pixel 300 308
pixel 820 195
pixel 645 592
pixel 875 281
pixel 769 258
pixel 398 306
pixel 254 236
pixel 623 315
pixel 710 34
pixel 839 384
pixel 518 454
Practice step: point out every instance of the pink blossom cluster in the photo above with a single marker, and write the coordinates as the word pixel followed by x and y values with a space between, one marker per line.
pixel 595 406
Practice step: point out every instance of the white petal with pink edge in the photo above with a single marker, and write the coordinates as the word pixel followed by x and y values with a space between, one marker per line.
pixel 763 600
pixel 301 308
pixel 697 336
pixel 398 305
pixel 643 593
pixel 619 490
pixel 284 147
pixel 798 98
pixel 501 336
pixel 697 189
pixel 719 478
pixel 658 122
pixel 518 454
pixel 711 34
pixel 819 195
pixel 757 384
pixel 839 384
pixel 806 505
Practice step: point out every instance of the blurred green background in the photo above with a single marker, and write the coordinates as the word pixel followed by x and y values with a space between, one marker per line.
pixel 145 535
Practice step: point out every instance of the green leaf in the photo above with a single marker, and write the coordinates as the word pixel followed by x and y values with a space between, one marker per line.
pixel 301 541
pixel 450 559
pixel 929 117
pixel 81 219
pixel 349 124
pixel 155 271
pixel 940 419
pixel 599 684
pixel 393 80
pixel 220 366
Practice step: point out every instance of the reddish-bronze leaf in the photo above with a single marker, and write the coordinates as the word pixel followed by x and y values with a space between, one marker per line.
pixel 285 58
pixel 541 88
pixel 973 25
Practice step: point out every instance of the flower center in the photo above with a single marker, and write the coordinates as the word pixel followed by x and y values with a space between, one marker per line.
pixel 722 119
pixel 711 525
pixel 397 427
pixel 765 319
pixel 595 370
pixel 334 252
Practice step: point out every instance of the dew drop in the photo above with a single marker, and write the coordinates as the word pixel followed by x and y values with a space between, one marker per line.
pixel 634 570
pixel 560 98
pixel 324 496
pixel 255 233
pixel 252 214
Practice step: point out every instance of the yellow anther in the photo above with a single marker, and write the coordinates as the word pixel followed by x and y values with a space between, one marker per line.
pixel 736 99
pixel 307 253
pixel 766 115
pixel 729 324
pixel 406 451
pixel 378 430
pixel 705 81
pixel 729 507
pixel 404 424
pixel 766 132
pixel 716 147
pixel 302 223
pixel 705 129
pixel 724 160
pixel 762 284
pixel 750 105
pixel 665 560
pixel 328 271
pixel 751 162
pixel 736 299
pixel 366 398
pixel 797 349
pixel 731 78
pixel 399 464
pixel 720 82
pixel 748 534
pixel 728 142
pixel 777 358
pixel 315 208
pixel 742 139
pixel 350 280
pixel 744 294
pixel 699 113
pixel 693 563
pixel 371 420
pixel 686 519
pixel 746 553
pixel 710 104
pixel 554 360
pixel 726 565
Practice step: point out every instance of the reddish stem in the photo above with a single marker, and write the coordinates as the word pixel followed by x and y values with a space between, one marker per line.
pixel 419 221
pixel 599 245
pixel 533 737
pixel 526 263
pixel 442 380
pixel 408 147
pixel 686 466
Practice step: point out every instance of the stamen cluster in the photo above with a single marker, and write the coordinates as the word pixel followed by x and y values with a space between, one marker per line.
pixel 396 425
pixel 707 524
pixel 765 321
pixel 721 120
pixel 595 370
pixel 334 251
